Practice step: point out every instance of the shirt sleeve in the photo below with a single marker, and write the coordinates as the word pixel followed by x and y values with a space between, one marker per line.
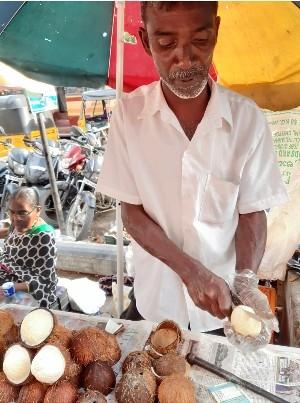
pixel 261 184
pixel 116 178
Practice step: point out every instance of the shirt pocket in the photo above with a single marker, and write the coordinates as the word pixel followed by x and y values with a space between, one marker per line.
pixel 219 200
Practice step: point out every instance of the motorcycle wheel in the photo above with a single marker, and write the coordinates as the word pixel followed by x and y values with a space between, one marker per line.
pixel 79 220
pixel 48 213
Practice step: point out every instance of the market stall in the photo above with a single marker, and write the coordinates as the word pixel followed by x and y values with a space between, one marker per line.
pixel 274 369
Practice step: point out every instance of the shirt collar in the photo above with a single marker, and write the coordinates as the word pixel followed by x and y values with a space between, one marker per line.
pixel 218 107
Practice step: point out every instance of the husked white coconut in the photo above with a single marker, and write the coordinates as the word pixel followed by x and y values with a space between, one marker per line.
pixel 243 323
pixel 36 327
pixel 16 364
pixel 48 365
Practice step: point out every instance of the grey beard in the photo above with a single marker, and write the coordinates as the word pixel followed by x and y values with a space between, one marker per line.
pixel 186 93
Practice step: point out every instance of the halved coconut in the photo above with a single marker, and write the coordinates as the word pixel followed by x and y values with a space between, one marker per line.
pixel 10 337
pixel 91 344
pixel 136 360
pixel 36 327
pixel 91 396
pixel 137 386
pixel 50 363
pixel 99 376
pixel 33 392
pixel 61 392
pixel 166 338
pixel 170 363
pixel 176 389
pixel 8 392
pixel 16 364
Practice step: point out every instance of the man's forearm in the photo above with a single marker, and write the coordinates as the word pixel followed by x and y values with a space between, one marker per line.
pixel 250 240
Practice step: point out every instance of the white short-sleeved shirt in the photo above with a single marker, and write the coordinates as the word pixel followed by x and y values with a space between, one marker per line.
pixel 195 190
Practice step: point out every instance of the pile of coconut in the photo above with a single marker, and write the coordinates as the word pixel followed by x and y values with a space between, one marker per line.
pixel 158 372
pixel 45 362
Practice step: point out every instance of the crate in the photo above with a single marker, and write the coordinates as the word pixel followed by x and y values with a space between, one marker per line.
pixel 271 294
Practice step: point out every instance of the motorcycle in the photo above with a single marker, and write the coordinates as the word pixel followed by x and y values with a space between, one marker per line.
pixel 12 174
pixel 82 210
pixel 28 168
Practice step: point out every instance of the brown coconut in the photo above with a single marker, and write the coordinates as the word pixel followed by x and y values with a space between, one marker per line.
pixel 165 338
pixel 176 389
pixel 93 344
pixel 136 386
pixel 50 374
pixel 91 396
pixel 170 363
pixel 9 332
pixel 33 392
pixel 36 327
pixel 136 360
pixel 99 376
pixel 60 335
pixel 8 392
pixel 6 322
pixel 73 372
pixel 61 392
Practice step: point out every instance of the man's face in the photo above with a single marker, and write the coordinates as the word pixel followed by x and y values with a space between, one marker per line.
pixel 181 42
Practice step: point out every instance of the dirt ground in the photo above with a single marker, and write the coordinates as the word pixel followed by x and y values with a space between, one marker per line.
pixel 103 222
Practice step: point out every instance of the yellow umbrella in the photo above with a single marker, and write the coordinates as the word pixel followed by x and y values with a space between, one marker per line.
pixel 258 51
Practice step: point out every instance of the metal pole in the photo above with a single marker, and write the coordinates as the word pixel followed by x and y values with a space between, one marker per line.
pixel 52 179
pixel 119 88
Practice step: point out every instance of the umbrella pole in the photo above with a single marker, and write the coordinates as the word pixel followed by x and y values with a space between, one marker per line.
pixel 119 88
pixel 52 179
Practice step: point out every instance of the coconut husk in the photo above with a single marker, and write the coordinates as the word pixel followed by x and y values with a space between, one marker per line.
pixel 67 358
pixel 93 344
pixel 61 335
pixel 8 392
pixel 165 338
pixel 35 325
pixel 61 392
pixel 99 376
pixel 6 322
pixel 137 360
pixel 33 392
pixel 137 386
pixel 8 338
pixel 170 363
pixel 176 389
pixel 73 373
pixel 91 396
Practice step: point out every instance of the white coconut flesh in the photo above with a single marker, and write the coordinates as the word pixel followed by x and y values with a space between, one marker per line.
pixel 243 323
pixel 48 365
pixel 36 327
pixel 16 364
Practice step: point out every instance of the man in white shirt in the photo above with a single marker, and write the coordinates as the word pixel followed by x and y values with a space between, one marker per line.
pixel 194 167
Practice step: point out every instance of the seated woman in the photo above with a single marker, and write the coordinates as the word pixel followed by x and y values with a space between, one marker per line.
pixel 29 253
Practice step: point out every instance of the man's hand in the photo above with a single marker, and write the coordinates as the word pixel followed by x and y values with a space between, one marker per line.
pixel 208 291
pixel 246 287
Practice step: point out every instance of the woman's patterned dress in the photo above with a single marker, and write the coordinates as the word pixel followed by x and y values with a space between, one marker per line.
pixel 31 258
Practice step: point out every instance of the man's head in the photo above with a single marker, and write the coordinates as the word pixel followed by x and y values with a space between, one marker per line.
pixel 181 37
